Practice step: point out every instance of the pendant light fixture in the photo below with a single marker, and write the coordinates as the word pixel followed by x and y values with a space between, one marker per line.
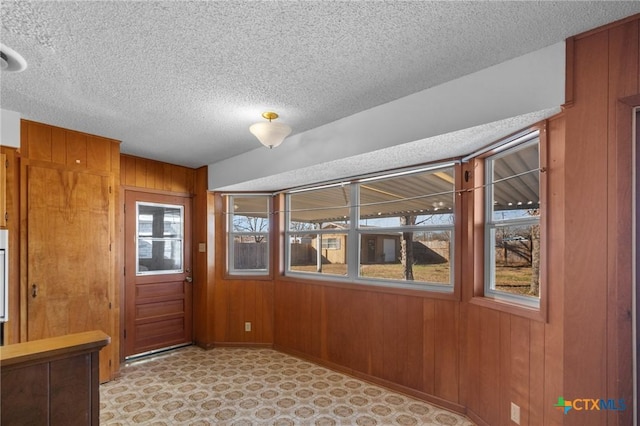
pixel 270 134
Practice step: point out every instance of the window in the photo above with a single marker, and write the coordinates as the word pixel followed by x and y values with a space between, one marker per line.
pixel 512 223
pixel 396 229
pixel 315 218
pixel 248 233
pixel 160 230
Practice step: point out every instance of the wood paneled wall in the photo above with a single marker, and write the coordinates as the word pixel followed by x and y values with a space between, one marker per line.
pixel 597 341
pixel 12 327
pixel 230 301
pixel 508 357
pixel 141 173
pixel 204 262
pixel 406 342
pixel 63 151
pixel 474 357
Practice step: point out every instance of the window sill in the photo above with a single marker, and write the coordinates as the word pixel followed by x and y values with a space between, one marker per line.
pixel 248 277
pixel 534 314
pixel 371 287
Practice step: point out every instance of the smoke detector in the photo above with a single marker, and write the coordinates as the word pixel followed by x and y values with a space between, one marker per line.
pixel 10 60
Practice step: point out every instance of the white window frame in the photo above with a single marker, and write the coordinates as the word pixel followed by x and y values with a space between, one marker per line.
pixel 232 234
pixel 354 235
pixel 180 270
pixel 491 225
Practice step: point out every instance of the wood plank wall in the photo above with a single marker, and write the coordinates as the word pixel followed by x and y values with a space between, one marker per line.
pixel 142 174
pixel 12 327
pixel 204 262
pixel 473 357
pixel 156 176
pixel 237 300
pixel 597 340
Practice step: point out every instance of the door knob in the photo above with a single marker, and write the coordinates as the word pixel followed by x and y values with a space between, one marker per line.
pixel 189 279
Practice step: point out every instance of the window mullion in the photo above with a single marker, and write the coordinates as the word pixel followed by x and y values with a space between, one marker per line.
pixel 353 236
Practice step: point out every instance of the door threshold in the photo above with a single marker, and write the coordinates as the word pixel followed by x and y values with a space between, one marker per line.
pixel 148 354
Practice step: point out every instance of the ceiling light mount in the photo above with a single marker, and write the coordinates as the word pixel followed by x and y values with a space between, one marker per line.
pixel 10 60
pixel 269 133
pixel 270 115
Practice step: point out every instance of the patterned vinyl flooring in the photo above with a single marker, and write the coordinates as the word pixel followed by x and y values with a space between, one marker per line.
pixel 253 386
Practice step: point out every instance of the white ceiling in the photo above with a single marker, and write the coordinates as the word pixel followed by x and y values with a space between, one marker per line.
pixel 181 81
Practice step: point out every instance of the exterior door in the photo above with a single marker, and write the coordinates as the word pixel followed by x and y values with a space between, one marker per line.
pixel 158 292
pixel 69 255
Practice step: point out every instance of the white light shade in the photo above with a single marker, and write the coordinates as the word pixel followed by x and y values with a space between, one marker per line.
pixel 269 133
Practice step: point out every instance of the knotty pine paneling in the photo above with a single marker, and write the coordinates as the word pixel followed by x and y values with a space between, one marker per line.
pixel 155 175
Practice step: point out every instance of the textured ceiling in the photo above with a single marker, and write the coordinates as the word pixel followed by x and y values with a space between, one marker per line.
pixel 182 81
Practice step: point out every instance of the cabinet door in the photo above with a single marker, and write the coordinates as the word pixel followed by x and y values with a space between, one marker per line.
pixel 69 259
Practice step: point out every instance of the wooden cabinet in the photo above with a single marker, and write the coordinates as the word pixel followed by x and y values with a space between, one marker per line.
pixel 52 381
pixel 75 150
pixel 69 252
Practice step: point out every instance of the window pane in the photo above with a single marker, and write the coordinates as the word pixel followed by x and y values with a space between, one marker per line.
pixel 516 184
pixel 427 254
pixel 305 256
pixel 160 233
pixel 248 234
pixel 420 199
pixel 250 252
pixel 250 214
pixel 319 208
pixel 516 251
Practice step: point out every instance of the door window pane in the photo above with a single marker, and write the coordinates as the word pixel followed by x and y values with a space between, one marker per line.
pixel 160 238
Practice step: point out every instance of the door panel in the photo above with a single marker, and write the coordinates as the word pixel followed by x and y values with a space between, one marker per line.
pixel 69 260
pixel 158 295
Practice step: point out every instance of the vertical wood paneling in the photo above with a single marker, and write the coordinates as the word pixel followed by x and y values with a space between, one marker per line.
pixel 623 69
pixel 446 350
pixel 38 137
pixel 249 310
pixel 66 151
pixel 158 176
pixel 586 234
pixel 415 331
pixel 76 150
pixel 59 145
pixel 141 173
pixel 428 347
pixel 391 340
pixel 489 353
pixel 554 331
pixel 12 187
pixel 98 153
pixel 504 369
pixel 519 377
pixel 536 374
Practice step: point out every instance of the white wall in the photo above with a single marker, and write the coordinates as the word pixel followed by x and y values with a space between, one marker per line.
pixel 527 84
pixel 9 128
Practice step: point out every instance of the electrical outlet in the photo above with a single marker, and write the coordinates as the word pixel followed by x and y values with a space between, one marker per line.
pixel 247 326
pixel 515 413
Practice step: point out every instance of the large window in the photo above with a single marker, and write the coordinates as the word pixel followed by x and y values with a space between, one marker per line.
pixel 318 230
pixel 396 229
pixel 512 223
pixel 248 233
